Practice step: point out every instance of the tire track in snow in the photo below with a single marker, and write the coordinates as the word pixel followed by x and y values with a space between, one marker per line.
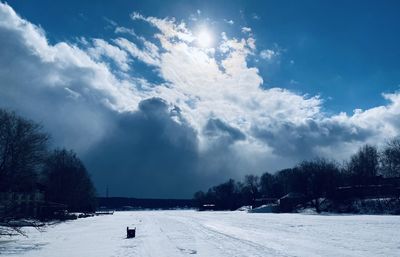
pixel 219 242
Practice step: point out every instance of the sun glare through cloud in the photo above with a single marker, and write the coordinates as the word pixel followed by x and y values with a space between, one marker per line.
pixel 204 38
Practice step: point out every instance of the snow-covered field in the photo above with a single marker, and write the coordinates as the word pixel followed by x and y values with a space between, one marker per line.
pixel 183 233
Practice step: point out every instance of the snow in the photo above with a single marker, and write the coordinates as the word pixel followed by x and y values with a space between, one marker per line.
pixel 245 208
pixel 183 233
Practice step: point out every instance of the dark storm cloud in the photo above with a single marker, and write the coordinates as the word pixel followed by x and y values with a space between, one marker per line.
pixel 148 154
pixel 302 140
pixel 218 129
pixel 154 152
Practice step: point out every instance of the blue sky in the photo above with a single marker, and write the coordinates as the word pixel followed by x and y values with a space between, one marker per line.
pixel 183 95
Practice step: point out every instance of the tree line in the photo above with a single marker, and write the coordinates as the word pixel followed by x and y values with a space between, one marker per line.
pixel 313 179
pixel 27 164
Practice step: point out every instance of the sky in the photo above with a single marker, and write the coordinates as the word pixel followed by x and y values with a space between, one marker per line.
pixel 164 98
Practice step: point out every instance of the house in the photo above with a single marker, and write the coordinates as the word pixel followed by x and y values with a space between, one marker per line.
pixel 29 205
pixel 21 204
pixel 381 187
pixel 366 191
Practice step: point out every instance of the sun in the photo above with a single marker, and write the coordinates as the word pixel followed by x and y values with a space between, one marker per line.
pixel 204 38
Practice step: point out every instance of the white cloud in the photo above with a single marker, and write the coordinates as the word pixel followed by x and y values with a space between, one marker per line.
pixel 246 30
pixel 382 121
pixel 60 85
pixel 251 42
pixel 111 22
pixel 230 22
pixel 205 87
pixel 229 89
pixel 148 55
pixel 268 54
pixel 125 30
pixel 255 16
pixel 169 27
pixel 103 49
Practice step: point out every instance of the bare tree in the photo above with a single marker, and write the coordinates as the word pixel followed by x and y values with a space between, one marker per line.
pixel 10 227
pixel 68 182
pixel 322 177
pixel 22 150
pixel 252 182
pixel 390 158
pixel 363 165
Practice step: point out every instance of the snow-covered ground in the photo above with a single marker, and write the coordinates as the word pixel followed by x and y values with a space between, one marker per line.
pixel 182 233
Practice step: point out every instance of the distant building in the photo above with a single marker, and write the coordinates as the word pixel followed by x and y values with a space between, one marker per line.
pixel 29 205
pixel 379 187
pixel 20 204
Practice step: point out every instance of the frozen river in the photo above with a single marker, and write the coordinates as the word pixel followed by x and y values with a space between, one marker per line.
pixel 190 233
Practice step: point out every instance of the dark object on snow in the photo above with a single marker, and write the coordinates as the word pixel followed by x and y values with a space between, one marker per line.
pixel 289 202
pixel 130 232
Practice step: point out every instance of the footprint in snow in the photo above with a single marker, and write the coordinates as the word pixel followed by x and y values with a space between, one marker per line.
pixel 188 251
